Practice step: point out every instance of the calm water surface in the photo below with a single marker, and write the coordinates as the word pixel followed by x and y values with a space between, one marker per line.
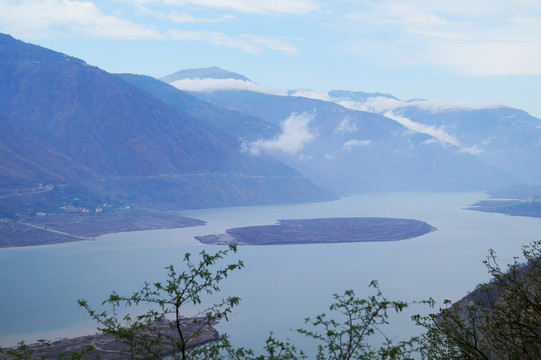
pixel 280 285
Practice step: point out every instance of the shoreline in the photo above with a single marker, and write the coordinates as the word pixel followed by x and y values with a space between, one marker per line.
pixel 106 347
pixel 511 207
pixel 70 227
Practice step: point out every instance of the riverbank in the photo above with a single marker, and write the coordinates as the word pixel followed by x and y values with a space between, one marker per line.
pixel 106 347
pixel 525 207
pixel 68 227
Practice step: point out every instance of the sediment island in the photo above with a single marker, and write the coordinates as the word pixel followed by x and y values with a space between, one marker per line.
pixel 327 230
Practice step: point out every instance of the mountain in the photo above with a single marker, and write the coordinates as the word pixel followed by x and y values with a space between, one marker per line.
pixel 501 136
pixel 204 73
pixel 24 158
pixel 236 123
pixel 349 150
pixel 129 144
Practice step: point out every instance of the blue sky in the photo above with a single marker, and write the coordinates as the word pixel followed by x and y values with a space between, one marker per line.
pixel 483 51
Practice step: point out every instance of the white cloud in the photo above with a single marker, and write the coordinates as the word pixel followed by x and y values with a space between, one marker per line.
pixel 474 150
pixel 438 133
pixel 407 15
pixel 181 17
pixel 249 6
pixel 49 18
pixel 349 145
pixel 247 43
pixel 385 106
pixel 346 126
pixel 311 94
pixel 377 104
pixel 436 106
pixel 208 84
pixel 271 43
pixel 490 58
pixel 381 104
pixel 65 18
pixel 481 38
pixel 295 135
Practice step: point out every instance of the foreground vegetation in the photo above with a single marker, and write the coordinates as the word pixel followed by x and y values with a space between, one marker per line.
pixel 499 320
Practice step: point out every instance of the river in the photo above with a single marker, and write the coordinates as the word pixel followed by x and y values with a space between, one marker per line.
pixel 280 285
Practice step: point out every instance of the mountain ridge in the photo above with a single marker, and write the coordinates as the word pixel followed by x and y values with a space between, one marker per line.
pixel 425 153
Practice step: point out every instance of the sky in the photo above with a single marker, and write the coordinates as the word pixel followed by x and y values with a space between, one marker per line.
pixel 480 51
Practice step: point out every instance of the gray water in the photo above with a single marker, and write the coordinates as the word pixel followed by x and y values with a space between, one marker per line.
pixel 280 285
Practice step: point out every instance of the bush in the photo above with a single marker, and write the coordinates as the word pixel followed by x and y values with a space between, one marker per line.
pixel 499 320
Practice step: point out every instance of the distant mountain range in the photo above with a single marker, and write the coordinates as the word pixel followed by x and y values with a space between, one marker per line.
pixel 356 141
pixel 67 122
pixel 208 137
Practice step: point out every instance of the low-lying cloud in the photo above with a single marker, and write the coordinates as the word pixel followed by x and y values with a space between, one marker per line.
pixel 438 133
pixel 209 84
pixel 295 135
pixel 382 104
pixel 346 126
pixel 474 150
pixel 311 94
pixel 349 145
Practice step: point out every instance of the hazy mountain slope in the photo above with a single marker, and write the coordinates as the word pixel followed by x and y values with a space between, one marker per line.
pixel 140 146
pixel 504 137
pixel 106 124
pixel 26 161
pixel 351 151
pixel 272 108
pixel 236 123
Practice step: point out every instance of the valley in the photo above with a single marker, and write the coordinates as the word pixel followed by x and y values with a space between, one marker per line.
pixel 134 140
pixel 362 164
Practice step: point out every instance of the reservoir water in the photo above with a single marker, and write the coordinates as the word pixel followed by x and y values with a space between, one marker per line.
pixel 280 285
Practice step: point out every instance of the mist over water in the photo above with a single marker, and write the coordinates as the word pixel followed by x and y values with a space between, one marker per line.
pixel 280 285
